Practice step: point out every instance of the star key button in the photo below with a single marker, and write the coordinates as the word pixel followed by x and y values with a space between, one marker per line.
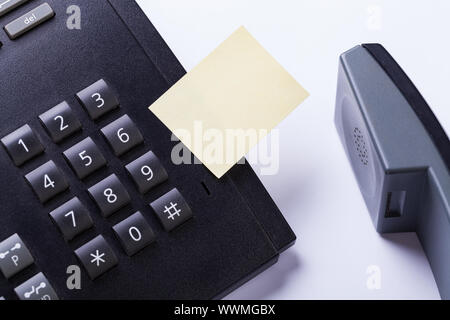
pixel 97 257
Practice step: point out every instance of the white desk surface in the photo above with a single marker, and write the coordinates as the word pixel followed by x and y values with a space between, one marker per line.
pixel 315 188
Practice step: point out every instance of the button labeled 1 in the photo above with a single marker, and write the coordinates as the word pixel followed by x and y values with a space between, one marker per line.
pixel 37 288
pixel 147 172
pixel 47 181
pixel 22 145
pixel 134 233
pixel 122 135
pixel 14 256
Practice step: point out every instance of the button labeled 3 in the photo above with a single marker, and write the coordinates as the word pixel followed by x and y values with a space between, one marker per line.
pixel 14 256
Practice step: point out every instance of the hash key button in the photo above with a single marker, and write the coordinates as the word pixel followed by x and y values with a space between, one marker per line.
pixel 147 172
pixel 37 288
pixel 98 99
pixel 172 210
pixel 22 145
pixel 134 233
pixel 97 257
pixel 47 181
pixel 29 21
pixel 14 256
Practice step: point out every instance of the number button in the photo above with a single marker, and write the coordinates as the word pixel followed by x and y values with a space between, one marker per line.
pixel 72 219
pixel 98 99
pixel 134 233
pixel 122 135
pixel 110 195
pixel 147 172
pixel 97 257
pixel 171 209
pixel 47 181
pixel 22 145
pixel 60 122
pixel 85 158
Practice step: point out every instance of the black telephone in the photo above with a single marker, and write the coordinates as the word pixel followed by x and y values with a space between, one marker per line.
pixel 87 178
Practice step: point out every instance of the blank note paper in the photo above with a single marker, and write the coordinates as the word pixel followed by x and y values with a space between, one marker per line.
pixel 237 89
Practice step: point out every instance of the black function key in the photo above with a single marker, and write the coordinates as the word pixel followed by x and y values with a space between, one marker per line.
pixel 98 99
pixel 47 181
pixel 37 288
pixel 8 5
pixel 60 122
pixel 134 233
pixel 14 256
pixel 171 209
pixel 72 218
pixel 29 21
pixel 110 195
pixel 147 172
pixel 85 158
pixel 97 257
pixel 122 135
pixel 22 145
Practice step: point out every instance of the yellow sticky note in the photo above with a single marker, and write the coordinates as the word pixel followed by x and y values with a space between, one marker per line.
pixel 238 89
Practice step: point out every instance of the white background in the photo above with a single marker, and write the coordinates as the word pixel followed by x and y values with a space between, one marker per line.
pixel 315 188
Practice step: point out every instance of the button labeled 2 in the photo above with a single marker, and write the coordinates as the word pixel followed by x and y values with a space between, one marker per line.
pixel 47 181
pixel 60 122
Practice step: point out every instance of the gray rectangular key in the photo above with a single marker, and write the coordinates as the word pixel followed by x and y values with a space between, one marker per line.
pixel 36 288
pixel 29 21
pixel 14 256
pixel 8 5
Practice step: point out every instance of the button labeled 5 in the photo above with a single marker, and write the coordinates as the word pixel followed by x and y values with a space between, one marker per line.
pixel 85 158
